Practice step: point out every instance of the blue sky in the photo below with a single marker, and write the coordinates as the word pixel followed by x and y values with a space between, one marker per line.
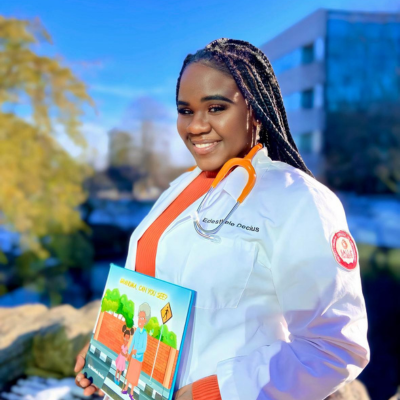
pixel 127 49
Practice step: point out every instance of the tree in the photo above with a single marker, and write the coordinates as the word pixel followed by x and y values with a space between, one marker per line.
pixel 168 337
pixel 363 150
pixel 111 301
pixel 153 328
pixel 127 309
pixel 41 184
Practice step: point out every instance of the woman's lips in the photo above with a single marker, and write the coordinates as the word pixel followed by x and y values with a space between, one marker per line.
pixel 204 148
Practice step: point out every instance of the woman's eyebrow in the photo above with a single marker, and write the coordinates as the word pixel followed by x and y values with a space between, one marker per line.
pixel 207 98
pixel 217 97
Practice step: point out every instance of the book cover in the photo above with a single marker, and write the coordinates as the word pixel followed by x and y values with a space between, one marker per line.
pixel 135 347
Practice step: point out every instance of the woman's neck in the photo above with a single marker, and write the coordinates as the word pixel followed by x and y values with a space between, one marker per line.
pixel 212 174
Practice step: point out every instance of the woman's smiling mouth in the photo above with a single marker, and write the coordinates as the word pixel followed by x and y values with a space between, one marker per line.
pixel 202 148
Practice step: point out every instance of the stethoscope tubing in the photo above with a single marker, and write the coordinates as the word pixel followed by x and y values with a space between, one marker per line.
pixel 246 164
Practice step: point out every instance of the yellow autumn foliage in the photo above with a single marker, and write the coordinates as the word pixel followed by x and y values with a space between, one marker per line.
pixel 40 183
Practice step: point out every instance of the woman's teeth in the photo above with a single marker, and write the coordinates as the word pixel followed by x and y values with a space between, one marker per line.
pixel 204 145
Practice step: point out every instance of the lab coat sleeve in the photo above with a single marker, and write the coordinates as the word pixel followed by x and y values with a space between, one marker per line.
pixel 324 309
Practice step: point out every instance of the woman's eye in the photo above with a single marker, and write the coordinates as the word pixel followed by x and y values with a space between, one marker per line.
pixel 184 111
pixel 214 109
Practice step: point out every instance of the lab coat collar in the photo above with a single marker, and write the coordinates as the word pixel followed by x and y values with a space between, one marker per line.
pixel 230 185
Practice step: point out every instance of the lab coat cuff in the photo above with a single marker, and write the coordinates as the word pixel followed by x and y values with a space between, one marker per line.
pixel 226 381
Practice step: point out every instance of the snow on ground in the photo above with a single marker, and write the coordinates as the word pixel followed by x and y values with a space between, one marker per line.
pixel 35 388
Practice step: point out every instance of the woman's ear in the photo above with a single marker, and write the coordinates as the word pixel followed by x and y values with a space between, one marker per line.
pixel 256 131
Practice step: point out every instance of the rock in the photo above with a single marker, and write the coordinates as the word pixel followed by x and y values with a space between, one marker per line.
pixel 41 341
pixel 397 395
pixel 36 388
pixel 64 332
pixel 352 391
pixel 17 329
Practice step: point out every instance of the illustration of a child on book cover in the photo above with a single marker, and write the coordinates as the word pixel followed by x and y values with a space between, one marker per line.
pixel 137 337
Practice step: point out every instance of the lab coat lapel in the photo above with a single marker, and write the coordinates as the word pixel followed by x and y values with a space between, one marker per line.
pixel 215 195
pixel 232 184
pixel 174 191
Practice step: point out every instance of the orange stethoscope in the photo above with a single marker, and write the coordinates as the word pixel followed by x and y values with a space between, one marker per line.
pixel 226 168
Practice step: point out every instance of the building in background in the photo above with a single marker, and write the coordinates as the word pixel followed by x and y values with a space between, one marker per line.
pixel 339 73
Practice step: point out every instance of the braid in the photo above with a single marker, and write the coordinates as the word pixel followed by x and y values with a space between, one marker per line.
pixel 255 78
pixel 263 116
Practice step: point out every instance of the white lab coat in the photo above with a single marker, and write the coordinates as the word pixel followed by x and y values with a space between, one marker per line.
pixel 276 316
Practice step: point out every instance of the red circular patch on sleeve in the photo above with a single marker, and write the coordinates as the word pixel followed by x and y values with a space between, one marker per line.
pixel 344 249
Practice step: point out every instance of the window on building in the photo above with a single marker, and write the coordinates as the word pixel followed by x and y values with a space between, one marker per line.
pixel 307 54
pixel 318 96
pixel 362 63
pixel 307 98
pixel 319 49
pixel 288 61
pixel 292 101
pixel 306 143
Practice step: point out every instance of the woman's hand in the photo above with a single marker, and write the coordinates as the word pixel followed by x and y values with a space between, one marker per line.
pixel 134 352
pixel 80 379
pixel 184 393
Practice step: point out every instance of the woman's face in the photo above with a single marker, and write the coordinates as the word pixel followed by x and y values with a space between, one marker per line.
pixel 141 319
pixel 212 117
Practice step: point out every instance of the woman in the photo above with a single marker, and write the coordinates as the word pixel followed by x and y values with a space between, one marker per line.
pixel 279 311
pixel 136 349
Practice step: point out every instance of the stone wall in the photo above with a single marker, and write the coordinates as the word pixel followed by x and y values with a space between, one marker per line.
pixel 36 340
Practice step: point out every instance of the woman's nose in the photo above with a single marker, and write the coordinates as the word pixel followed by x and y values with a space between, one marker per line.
pixel 198 125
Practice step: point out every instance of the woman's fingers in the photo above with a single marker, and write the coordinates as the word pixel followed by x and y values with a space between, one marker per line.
pixel 80 359
pixel 84 382
pixel 80 363
pixel 87 385
pixel 90 390
pixel 80 379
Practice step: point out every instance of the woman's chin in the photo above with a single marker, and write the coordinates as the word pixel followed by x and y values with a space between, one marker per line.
pixel 209 167
pixel 209 164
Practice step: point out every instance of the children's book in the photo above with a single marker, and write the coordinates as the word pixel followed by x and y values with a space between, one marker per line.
pixel 136 343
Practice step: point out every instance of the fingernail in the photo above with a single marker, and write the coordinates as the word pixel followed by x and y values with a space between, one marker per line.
pixel 78 378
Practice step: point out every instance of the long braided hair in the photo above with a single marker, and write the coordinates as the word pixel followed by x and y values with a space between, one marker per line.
pixel 255 78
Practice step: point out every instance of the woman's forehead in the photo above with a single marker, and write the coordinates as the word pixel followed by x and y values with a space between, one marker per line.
pixel 199 79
